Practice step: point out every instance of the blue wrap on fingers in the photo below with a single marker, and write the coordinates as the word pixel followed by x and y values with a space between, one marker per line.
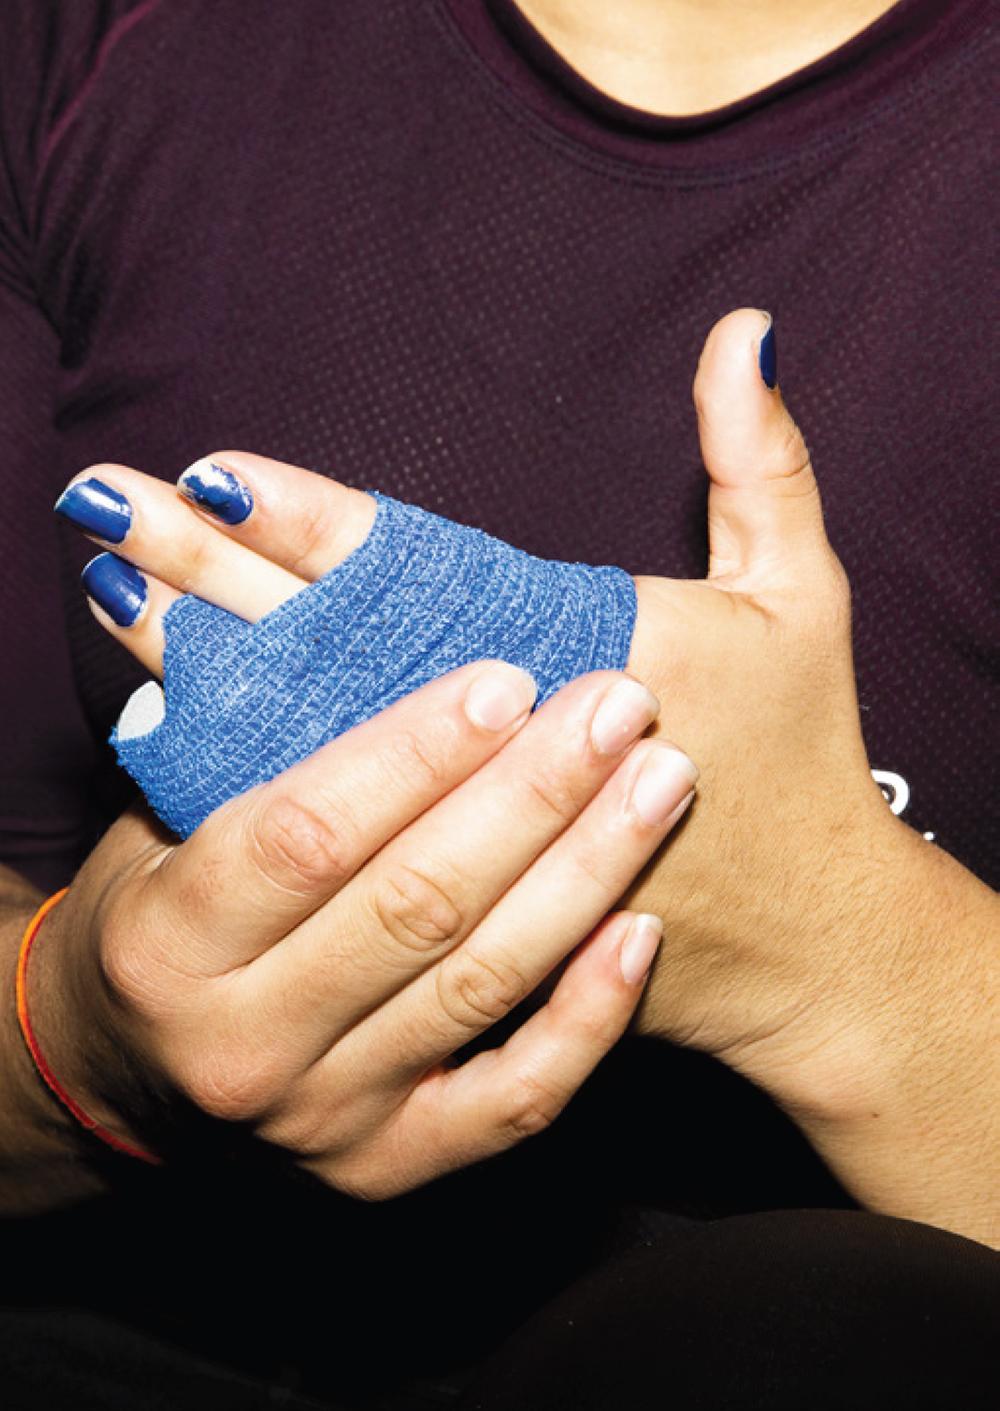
pixel 422 595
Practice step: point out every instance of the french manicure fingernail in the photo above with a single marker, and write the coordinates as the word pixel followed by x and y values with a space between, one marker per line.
pixel 117 587
pixel 622 716
pixel 666 779
pixel 767 355
pixel 97 508
pixel 216 490
pixel 499 697
pixel 642 940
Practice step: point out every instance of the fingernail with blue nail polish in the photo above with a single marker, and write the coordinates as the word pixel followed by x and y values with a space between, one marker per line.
pixel 768 356
pixel 116 587
pixel 95 507
pixel 216 490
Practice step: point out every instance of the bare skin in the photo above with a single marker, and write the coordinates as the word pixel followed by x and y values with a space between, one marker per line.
pixel 678 57
pixel 873 1037
pixel 816 943
pixel 305 965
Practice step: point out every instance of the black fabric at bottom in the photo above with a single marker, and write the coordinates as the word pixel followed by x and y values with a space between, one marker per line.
pixel 63 1359
pixel 780 1311
pixel 783 1311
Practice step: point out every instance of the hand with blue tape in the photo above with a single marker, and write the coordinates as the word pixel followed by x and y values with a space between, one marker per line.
pixel 305 965
pixel 417 597
pixel 804 920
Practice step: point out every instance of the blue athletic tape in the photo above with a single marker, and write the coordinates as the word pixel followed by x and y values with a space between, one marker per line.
pixel 420 596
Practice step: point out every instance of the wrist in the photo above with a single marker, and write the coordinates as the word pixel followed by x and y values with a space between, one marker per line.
pixel 815 1039
pixel 893 1073
pixel 42 1164
pixel 64 1037
pixel 907 1002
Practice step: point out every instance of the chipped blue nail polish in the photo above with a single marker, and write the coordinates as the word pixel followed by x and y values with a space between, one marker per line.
pixel 216 490
pixel 768 357
pixel 95 507
pixel 117 587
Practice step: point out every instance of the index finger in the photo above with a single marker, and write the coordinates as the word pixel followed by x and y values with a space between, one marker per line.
pixel 266 860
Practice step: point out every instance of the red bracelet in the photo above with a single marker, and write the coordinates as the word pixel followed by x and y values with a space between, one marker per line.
pixel 34 926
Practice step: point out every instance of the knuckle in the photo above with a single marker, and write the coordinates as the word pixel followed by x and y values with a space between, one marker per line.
pixel 418 911
pixel 228 1082
pixel 130 968
pixel 533 1107
pixel 475 991
pixel 305 1133
pixel 387 1161
pixel 316 1115
pixel 593 1026
pixel 362 1181
pixel 413 758
pixel 299 849
pixel 554 795
pixel 191 892
pixel 786 459
pixel 223 1097
pixel 192 566
pixel 125 971
pixel 312 532
pixel 598 862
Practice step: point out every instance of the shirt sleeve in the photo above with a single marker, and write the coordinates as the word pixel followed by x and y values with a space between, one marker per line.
pixel 47 749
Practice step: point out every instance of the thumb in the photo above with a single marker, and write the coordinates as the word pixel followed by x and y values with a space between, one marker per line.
pixel 765 522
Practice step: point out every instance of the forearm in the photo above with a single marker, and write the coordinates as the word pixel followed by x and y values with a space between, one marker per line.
pixel 870 1013
pixel 42 1164
pixel 906 1109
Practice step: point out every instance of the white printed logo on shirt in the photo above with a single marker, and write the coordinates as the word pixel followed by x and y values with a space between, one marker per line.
pixel 896 792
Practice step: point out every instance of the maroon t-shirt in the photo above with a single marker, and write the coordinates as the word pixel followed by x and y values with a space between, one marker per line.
pixel 401 242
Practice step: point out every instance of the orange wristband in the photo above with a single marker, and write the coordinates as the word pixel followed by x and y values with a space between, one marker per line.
pixel 34 926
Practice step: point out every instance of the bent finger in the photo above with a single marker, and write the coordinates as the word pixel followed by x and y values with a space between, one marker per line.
pixel 493 1102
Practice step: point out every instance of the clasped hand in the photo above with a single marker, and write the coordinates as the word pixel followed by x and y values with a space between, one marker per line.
pixel 309 960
